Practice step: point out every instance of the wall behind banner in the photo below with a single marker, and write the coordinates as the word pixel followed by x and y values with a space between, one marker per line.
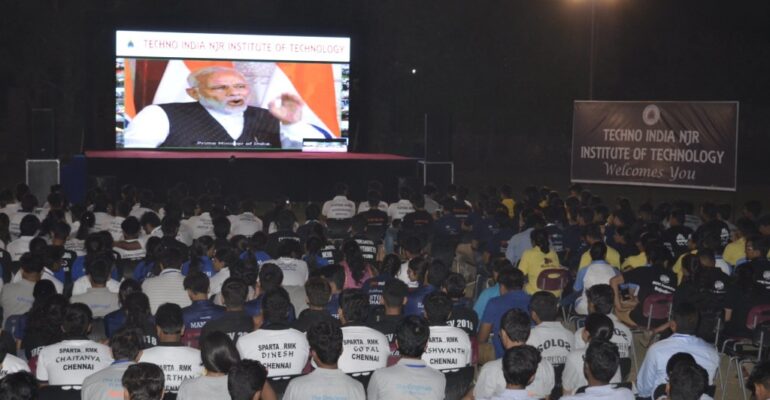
pixel 506 72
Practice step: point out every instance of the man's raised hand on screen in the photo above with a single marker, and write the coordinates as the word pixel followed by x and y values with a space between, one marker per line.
pixel 287 108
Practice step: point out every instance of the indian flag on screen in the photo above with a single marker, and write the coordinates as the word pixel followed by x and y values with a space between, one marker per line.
pixel 313 82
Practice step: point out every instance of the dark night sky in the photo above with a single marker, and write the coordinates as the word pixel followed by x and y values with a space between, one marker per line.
pixel 500 76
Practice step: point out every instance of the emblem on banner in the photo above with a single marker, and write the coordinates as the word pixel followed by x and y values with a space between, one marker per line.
pixel 651 114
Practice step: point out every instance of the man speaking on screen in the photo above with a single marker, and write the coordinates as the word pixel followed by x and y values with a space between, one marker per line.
pixel 220 117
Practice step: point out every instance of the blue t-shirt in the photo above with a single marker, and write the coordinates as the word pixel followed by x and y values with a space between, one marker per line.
pixel 143 270
pixel 259 256
pixel 334 306
pixel 195 316
pixel 486 295
pixel 78 270
pixel 498 242
pixel 206 266
pixel 497 307
pixel 414 305
pixel 114 321
pixel 484 229
pixel 373 288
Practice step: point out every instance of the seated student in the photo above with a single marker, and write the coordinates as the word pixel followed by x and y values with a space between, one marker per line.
pixel 335 275
pixel 518 367
pixel 462 315
pixel 538 259
pixel 295 271
pixel 98 298
pixel 369 248
pixel 122 210
pixel 177 361
pixel 600 300
pixel 687 381
pixel 16 298
pixel 759 381
pixel 514 332
pixel 247 380
pixel 549 336
pixel 219 356
pixel 387 321
pixel 420 271
pixel 270 342
pixel 684 323
pixel 235 322
pixel 143 381
pixel 282 229
pixel 410 377
pixel 448 347
pixel 131 247
pixel 313 253
pixel 168 287
pixel 511 283
pixel 318 293
pixel 270 278
pixel 601 364
pixel 45 272
pixel 115 320
pixel 28 229
pixel 339 207
pixel 223 258
pixel 593 234
pixel 655 278
pixel 201 252
pixel 103 385
pixel 327 380
pixel 10 364
pixel 357 269
pixel 596 273
pixel 365 348
pixel 493 291
pixel 598 327
pixel 83 356
pixel 139 317
pixel 201 311
pixel 676 237
pixel 245 223
pixel 19 386
pixel 373 287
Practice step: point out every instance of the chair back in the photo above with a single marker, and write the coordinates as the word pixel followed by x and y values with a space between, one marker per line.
pixel 280 383
pixel 59 393
pixel 758 315
pixel 362 377
pixel 658 306
pixel 553 279
pixel 338 229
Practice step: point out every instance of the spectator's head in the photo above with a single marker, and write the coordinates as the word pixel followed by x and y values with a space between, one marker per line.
pixel 169 322
pixel 600 299
pixel 99 270
pixel 412 336
pixel 77 321
pixel 276 306
pixel 246 379
pixel 234 293
pixel 454 286
pixel 218 352
pixel 354 307
pixel 335 275
pixel 318 292
pixel 418 268
pixel 687 381
pixel 196 283
pixel 759 380
pixel 438 308
pixel 125 344
pixel 678 358
pixel 18 386
pixel 171 258
pixel 514 328
pixel 598 327
pixel 601 361
pixel 270 277
pixel 684 319
pixel 510 279
pixel 29 225
pixel 325 339
pixel 130 227
pixel 394 293
pixel 32 265
pixel 127 287
pixel 519 366
pixel 143 381
pixel 542 307
pixel 598 251
pixel 540 239
pixel 437 273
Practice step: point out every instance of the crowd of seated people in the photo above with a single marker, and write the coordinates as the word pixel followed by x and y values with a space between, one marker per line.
pixel 200 296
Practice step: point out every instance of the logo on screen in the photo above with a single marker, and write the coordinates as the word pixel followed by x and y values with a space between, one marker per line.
pixel 651 115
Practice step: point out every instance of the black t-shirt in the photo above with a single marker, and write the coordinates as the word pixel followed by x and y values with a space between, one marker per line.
pixel 418 223
pixel 651 280
pixel 387 324
pixel 464 317
pixel 373 288
pixel 760 272
pixel 716 227
pixel 376 223
pixel 306 229
pixel 368 248
pixel 274 239
pixel 556 237
pixel 676 238
pixel 308 318
pixel 234 323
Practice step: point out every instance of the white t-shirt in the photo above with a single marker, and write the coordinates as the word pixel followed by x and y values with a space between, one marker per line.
pixel 606 392
pixel 47 275
pixel 178 363
pixel 339 208
pixel 12 364
pixel 82 284
pixel 132 254
pixel 246 224
pixel 403 275
pixel 553 341
pixel 69 362
pixel 491 380
pixel 573 378
pixel 363 349
pixel 448 348
pixel 295 272
pixel 408 379
pixel 16 298
pixel 621 336
pixel 115 228
pixel 200 225
pixel 325 384
pixel 283 352
pixel 18 247
pixel 102 221
pixel 168 287
pixel 364 206
pixel 399 209
pixel 216 281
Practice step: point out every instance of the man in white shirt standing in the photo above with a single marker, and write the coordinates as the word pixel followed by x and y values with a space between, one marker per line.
pixel 178 362
pixel 70 361
pixel 326 381
pixel 684 323
pixel 168 287
pixel 411 377
pixel 339 207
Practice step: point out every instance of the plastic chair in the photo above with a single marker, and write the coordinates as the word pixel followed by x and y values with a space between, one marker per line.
pixel 554 280
pixel 362 377
pixel 280 383
pixel 59 393
pixel 657 306
pixel 750 351
pixel 627 385
pixel 338 229
pixel 458 382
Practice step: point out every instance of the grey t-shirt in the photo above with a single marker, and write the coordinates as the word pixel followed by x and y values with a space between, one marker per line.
pixel 105 384
pixel 204 387
pixel 408 379
pixel 325 384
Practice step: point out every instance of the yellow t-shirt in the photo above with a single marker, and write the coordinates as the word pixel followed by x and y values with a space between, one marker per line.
pixel 533 262
pixel 735 251
pixel 612 258
pixel 636 261
pixel 678 266
pixel 509 204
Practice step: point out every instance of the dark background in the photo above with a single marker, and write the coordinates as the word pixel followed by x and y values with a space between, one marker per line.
pixel 497 78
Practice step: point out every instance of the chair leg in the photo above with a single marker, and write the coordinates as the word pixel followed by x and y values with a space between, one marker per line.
pixel 739 367
pixel 727 376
